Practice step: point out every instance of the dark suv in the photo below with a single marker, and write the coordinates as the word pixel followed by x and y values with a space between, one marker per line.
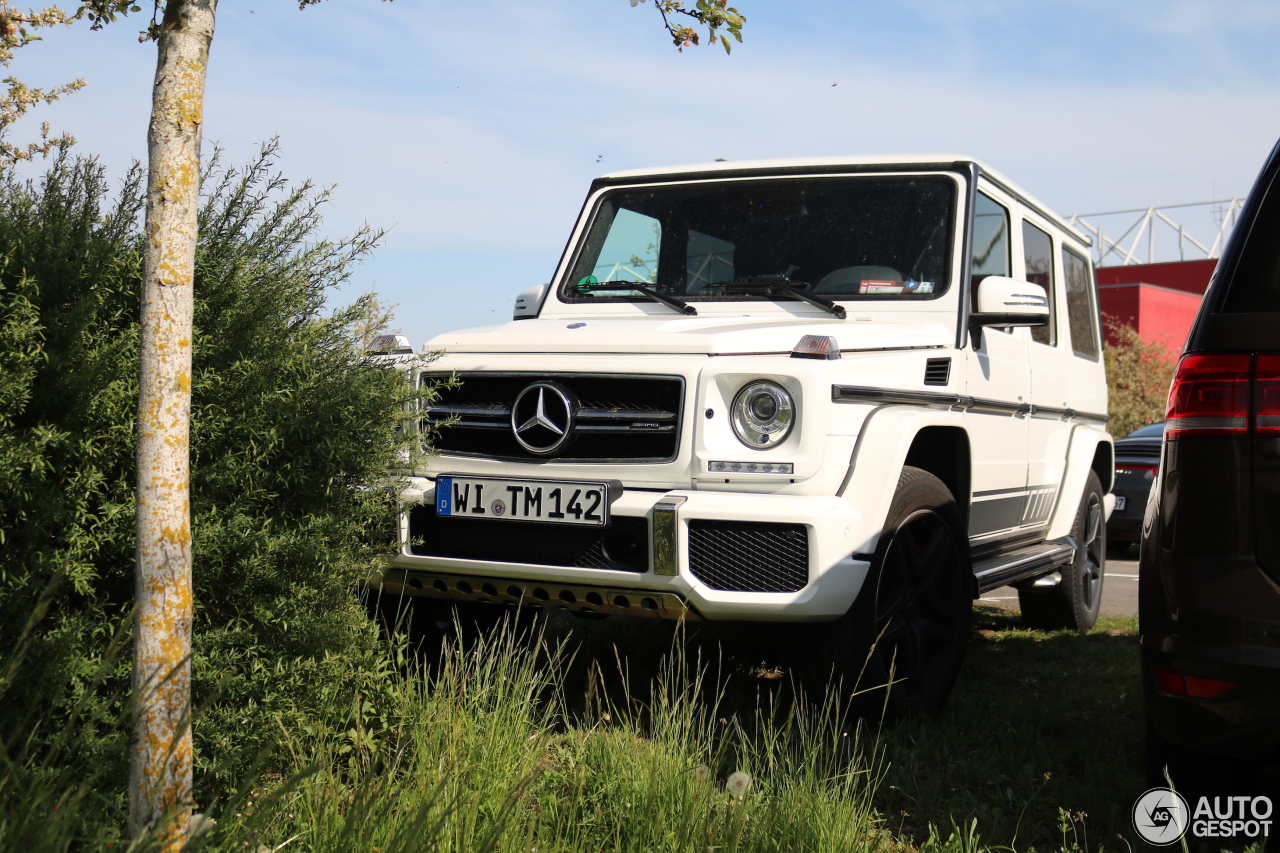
pixel 1209 588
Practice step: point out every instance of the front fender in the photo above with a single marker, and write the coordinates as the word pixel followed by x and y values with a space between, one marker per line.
pixel 879 453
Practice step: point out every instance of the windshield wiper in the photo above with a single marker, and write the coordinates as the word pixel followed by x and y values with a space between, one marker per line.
pixel 791 288
pixel 670 301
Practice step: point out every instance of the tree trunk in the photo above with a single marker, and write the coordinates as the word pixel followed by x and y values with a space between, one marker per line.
pixel 160 762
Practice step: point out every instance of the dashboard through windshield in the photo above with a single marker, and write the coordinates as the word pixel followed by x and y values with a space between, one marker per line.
pixel 861 238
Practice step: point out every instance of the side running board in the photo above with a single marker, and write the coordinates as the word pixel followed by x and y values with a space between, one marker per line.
pixel 1002 570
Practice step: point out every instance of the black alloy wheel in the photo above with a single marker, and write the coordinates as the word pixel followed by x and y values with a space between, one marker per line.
pixel 1082 579
pixel 899 648
pixel 1075 598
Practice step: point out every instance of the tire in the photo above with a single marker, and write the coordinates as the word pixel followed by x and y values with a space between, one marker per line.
pixel 1081 585
pixel 1118 549
pixel 1042 606
pixel 1074 599
pixel 899 648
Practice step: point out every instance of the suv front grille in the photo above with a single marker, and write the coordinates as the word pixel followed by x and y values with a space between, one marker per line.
pixel 748 556
pixel 620 418
pixel 623 545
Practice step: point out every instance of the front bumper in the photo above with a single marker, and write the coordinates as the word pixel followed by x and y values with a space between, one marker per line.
pixel 827 589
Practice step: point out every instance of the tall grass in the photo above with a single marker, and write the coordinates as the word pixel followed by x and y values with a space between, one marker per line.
pixel 485 754
pixel 512 744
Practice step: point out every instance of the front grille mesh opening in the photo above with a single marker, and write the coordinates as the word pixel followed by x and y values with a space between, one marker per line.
pixel 622 546
pixel 744 556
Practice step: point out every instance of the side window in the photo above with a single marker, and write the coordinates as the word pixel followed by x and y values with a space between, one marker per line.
pixel 630 252
pixel 708 259
pixel 1037 249
pixel 990 241
pixel 1082 317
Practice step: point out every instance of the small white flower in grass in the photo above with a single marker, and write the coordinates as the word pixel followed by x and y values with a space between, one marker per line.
pixel 738 784
pixel 702 773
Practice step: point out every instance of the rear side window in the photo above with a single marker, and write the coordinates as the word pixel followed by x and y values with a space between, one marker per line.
pixel 1082 317
pixel 1255 285
pixel 1037 249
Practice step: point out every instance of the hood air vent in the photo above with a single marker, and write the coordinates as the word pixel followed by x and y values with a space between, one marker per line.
pixel 937 371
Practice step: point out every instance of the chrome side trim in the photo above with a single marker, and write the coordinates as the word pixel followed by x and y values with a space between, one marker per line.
pixel 943 400
pixel 1005 569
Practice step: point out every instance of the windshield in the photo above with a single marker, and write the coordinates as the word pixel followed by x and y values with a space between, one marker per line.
pixel 840 238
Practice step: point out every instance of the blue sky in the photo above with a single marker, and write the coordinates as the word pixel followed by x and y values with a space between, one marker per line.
pixel 471 131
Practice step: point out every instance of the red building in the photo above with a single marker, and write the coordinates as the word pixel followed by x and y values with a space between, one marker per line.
pixel 1159 300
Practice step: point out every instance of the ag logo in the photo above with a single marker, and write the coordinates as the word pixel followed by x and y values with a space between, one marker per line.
pixel 1161 816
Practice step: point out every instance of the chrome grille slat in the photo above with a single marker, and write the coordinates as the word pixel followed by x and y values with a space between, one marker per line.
pixel 620 417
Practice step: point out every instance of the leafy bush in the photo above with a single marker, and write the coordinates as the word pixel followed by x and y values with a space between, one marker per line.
pixel 292 430
pixel 1138 376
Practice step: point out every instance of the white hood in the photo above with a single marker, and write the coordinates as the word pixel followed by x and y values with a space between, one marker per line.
pixel 685 335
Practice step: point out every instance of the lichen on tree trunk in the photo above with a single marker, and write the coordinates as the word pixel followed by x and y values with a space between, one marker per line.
pixel 161 757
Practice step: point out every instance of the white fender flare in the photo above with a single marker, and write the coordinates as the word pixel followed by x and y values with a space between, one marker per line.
pixel 1083 446
pixel 878 456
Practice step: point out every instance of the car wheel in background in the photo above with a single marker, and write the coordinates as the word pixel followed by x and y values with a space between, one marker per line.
pixel 903 640
pixel 1074 598
pixel 1118 550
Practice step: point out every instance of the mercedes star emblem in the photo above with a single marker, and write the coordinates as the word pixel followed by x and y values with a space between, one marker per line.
pixel 542 418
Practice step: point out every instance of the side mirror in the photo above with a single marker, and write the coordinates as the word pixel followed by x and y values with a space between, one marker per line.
pixel 528 302
pixel 1007 302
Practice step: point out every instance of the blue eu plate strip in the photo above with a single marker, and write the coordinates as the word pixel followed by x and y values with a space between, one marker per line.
pixel 444 496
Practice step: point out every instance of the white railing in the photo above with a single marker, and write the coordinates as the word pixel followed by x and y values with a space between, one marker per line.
pixel 1113 251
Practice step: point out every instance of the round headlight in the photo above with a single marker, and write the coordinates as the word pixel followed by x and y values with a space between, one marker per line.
pixel 763 414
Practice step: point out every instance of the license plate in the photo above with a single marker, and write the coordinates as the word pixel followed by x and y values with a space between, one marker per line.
pixel 548 501
pixel 1119 501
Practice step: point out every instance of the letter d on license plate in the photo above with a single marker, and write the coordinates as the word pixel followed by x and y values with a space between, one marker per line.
pixel 546 501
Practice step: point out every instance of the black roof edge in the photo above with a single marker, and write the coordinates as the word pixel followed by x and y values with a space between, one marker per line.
pixel 968 168
pixel 961 166
pixel 1220 281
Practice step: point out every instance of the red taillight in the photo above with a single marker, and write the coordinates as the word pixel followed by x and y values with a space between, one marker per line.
pixel 1192 685
pixel 1209 396
pixel 1266 394
pixel 1128 468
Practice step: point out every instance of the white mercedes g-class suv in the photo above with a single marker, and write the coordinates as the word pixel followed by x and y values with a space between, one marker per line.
pixel 851 392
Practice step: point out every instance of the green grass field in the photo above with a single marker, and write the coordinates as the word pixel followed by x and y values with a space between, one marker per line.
pixel 1040 726
pixel 598 737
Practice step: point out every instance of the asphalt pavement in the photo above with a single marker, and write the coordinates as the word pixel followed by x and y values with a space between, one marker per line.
pixel 1119 590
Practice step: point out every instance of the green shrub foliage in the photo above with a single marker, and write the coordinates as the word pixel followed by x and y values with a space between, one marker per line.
pixel 293 436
